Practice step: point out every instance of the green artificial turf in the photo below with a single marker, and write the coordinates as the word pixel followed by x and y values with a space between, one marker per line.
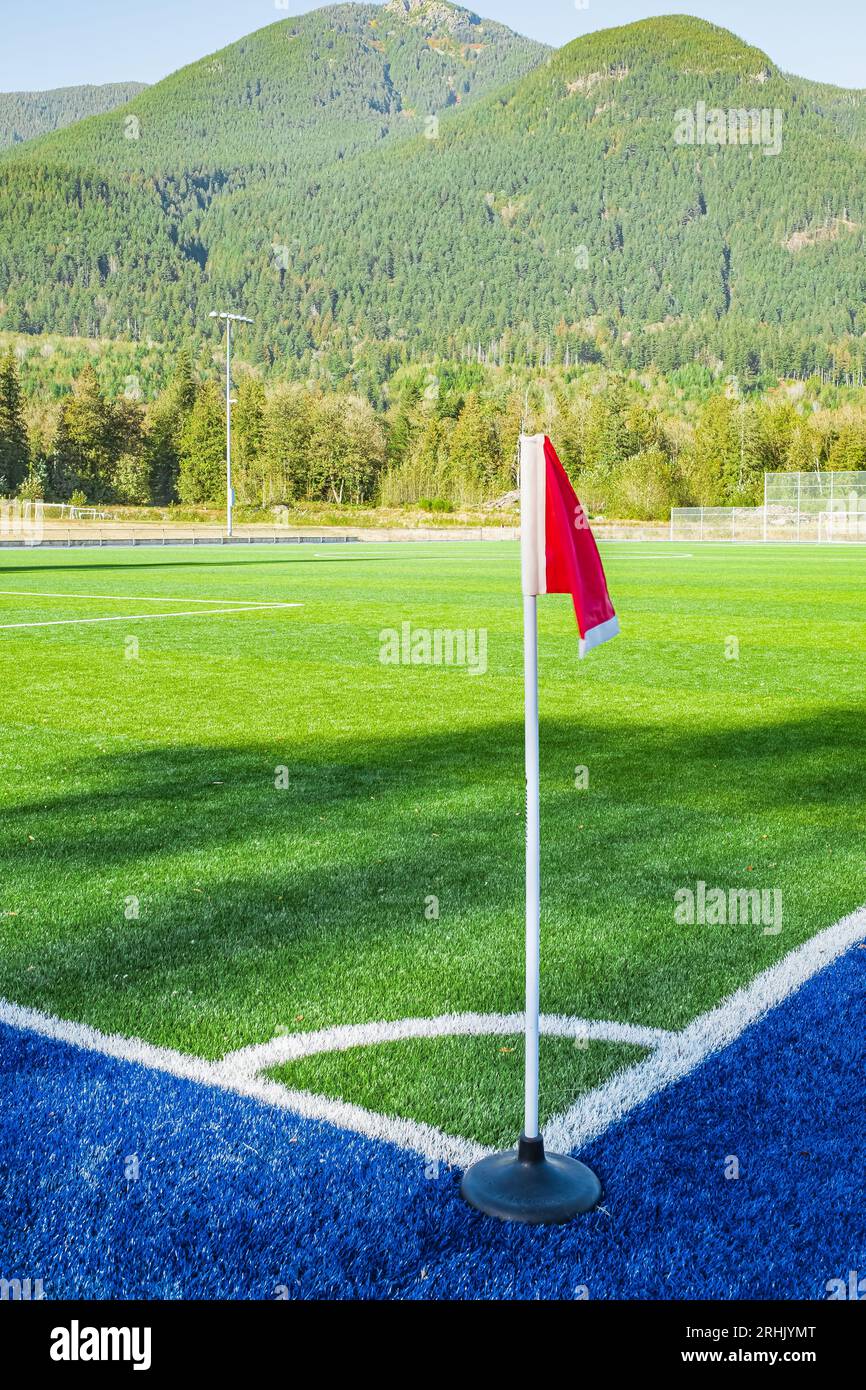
pixel 263 909
pixel 471 1086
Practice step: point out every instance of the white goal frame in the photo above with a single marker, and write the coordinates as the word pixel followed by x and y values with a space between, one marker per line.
pixel 805 507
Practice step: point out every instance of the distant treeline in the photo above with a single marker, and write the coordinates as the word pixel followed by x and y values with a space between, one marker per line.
pixel 443 437
pixel 24 115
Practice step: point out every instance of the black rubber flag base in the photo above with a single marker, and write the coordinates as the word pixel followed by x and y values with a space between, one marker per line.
pixel 525 1184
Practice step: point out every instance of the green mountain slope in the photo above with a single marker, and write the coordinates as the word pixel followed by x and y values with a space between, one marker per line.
pixel 550 207
pixel 568 200
pixel 105 225
pixel 845 108
pixel 303 91
pixel 25 115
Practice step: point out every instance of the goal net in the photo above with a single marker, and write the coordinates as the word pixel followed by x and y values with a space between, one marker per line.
pixel 807 507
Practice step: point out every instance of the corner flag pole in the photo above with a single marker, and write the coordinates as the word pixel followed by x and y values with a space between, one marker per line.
pixel 529 486
pixel 533 863
pixel 525 1184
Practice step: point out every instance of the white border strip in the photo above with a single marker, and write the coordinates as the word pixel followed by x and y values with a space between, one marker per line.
pixel 132 598
pixel 602 632
pixel 406 1134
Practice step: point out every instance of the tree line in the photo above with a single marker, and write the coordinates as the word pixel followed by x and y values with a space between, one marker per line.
pixel 443 437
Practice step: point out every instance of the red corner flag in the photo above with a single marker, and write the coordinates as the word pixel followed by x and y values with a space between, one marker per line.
pixel 559 553
pixel 557 556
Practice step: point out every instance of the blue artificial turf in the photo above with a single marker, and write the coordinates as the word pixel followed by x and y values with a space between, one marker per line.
pixel 238 1200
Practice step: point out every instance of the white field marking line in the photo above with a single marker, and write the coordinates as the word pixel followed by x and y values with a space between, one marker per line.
pixel 134 598
pixel 151 617
pixel 406 1134
pixel 374 554
pixel 682 1052
pixel 675 1055
pixel 289 1047
pixel 402 548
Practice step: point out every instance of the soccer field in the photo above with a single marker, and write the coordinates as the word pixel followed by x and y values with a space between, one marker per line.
pixel 226 821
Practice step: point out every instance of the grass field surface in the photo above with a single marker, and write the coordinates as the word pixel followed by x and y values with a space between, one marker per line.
pixel 226 820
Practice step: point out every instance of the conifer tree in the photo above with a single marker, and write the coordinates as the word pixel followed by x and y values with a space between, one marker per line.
pixel 202 446
pixel 14 455
pixel 167 419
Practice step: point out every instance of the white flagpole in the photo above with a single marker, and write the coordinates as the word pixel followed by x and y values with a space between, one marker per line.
pixel 533 582
pixel 533 866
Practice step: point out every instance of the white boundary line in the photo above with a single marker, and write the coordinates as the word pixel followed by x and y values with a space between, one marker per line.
pixel 132 598
pixel 594 1112
pixel 673 1057
pixel 406 1134
pixel 151 617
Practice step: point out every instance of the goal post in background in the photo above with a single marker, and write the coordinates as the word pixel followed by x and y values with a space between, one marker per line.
pixel 813 507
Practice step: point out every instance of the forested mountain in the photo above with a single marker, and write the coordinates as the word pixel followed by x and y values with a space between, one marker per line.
pixel 300 94
pixel 106 226
pixel 845 108
pixel 565 207
pixel 24 115
pixel 551 211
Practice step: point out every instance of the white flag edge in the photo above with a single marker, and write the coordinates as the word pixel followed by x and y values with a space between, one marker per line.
pixel 602 632
pixel 532 482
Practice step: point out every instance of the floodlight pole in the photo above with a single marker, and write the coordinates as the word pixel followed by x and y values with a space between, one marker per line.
pixel 229 498
pixel 229 320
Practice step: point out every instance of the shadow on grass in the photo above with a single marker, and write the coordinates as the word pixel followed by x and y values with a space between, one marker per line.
pixel 266 907
pixel 215 796
pixel 292 559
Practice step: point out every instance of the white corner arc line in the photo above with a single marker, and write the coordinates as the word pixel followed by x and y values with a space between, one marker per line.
pixel 681 1053
pixel 291 1047
pixel 150 617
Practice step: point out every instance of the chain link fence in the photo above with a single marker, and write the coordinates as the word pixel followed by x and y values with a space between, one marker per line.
pixel 818 508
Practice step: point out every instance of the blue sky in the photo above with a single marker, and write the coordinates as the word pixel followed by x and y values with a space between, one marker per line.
pixel 143 40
